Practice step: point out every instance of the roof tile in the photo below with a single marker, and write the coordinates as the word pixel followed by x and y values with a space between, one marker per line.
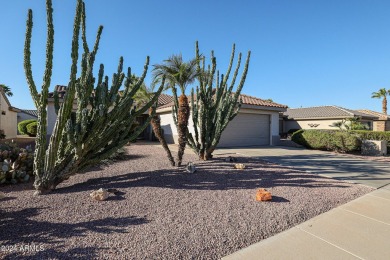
pixel 324 112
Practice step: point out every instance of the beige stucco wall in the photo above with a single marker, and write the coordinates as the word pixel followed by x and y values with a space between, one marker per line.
pixel 310 124
pixel 305 124
pixel 8 122
pixel 170 130
pixel 52 116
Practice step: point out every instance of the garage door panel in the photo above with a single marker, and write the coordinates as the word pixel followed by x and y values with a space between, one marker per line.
pixel 246 130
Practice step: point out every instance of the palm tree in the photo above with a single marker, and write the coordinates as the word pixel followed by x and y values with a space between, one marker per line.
pixel 181 74
pixel 382 93
pixel 7 90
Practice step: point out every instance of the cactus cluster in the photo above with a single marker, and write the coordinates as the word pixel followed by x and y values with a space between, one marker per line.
pixel 16 164
pixel 104 118
pixel 214 104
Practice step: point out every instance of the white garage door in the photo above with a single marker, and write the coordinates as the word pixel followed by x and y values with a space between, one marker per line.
pixel 246 130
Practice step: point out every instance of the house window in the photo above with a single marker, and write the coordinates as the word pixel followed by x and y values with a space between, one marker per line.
pixel 3 112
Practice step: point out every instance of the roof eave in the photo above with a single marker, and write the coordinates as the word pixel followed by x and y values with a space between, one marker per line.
pixel 271 108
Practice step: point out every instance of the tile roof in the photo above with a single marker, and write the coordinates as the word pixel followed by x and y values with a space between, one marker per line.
pixel 162 99
pixel 30 112
pixel 324 112
pixel 247 100
pixel 374 113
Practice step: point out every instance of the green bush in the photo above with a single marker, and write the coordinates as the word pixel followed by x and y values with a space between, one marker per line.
pixel 22 126
pixel 2 134
pixel 32 128
pixel 330 140
pixel 374 135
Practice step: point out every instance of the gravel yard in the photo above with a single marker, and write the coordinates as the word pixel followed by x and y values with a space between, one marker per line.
pixel 163 212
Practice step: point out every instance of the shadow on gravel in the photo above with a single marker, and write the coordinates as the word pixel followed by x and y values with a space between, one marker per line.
pixel 211 175
pixel 17 227
pixel 279 199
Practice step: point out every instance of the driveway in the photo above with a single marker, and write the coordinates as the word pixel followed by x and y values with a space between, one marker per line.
pixel 338 166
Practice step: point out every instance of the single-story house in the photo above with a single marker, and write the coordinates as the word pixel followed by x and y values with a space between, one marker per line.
pixel 52 116
pixel 381 123
pixel 323 117
pixel 257 123
pixel 8 117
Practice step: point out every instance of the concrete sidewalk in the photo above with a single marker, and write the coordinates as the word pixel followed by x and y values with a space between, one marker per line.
pixel 359 229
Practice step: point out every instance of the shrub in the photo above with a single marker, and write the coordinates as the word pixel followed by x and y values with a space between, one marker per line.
pixel 32 128
pixel 374 135
pixel 330 140
pixel 2 135
pixel 22 126
pixel 16 164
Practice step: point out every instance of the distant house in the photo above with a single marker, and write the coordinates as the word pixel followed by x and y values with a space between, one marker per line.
pixel 382 123
pixel 61 90
pixel 257 123
pixel 323 117
pixel 8 117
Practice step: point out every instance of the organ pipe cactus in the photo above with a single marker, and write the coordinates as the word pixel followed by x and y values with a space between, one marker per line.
pixel 214 105
pixel 103 118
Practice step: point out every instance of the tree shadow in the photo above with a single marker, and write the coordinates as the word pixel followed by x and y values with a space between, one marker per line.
pixel 18 227
pixel 211 175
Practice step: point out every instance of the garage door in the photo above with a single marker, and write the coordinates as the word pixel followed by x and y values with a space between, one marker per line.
pixel 246 130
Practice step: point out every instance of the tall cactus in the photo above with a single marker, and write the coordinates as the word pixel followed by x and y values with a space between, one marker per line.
pixel 103 118
pixel 214 105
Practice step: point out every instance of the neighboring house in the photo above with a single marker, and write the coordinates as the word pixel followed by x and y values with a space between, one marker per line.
pixel 26 114
pixel 8 117
pixel 257 123
pixel 382 123
pixel 52 116
pixel 323 117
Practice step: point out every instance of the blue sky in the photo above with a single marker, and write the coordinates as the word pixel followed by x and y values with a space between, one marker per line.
pixel 304 53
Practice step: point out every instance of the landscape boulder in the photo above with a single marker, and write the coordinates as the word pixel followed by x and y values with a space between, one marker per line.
pixel 101 194
pixel 240 166
pixel 263 195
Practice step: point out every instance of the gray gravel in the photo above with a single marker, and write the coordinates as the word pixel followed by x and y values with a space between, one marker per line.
pixel 163 212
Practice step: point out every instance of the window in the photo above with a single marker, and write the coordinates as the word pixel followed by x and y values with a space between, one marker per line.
pixel 3 112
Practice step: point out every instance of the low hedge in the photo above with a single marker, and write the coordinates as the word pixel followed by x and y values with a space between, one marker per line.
pixel 32 128
pixel 373 135
pixel 330 140
pixel 22 126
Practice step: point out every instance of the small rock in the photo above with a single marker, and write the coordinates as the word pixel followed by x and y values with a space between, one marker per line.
pixel 263 195
pixel 100 194
pixel 190 167
pixel 2 195
pixel 240 166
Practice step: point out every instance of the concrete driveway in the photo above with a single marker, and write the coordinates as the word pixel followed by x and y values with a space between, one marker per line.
pixel 338 166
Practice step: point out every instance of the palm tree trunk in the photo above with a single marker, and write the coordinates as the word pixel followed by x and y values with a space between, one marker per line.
pixel 384 105
pixel 155 122
pixel 183 115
